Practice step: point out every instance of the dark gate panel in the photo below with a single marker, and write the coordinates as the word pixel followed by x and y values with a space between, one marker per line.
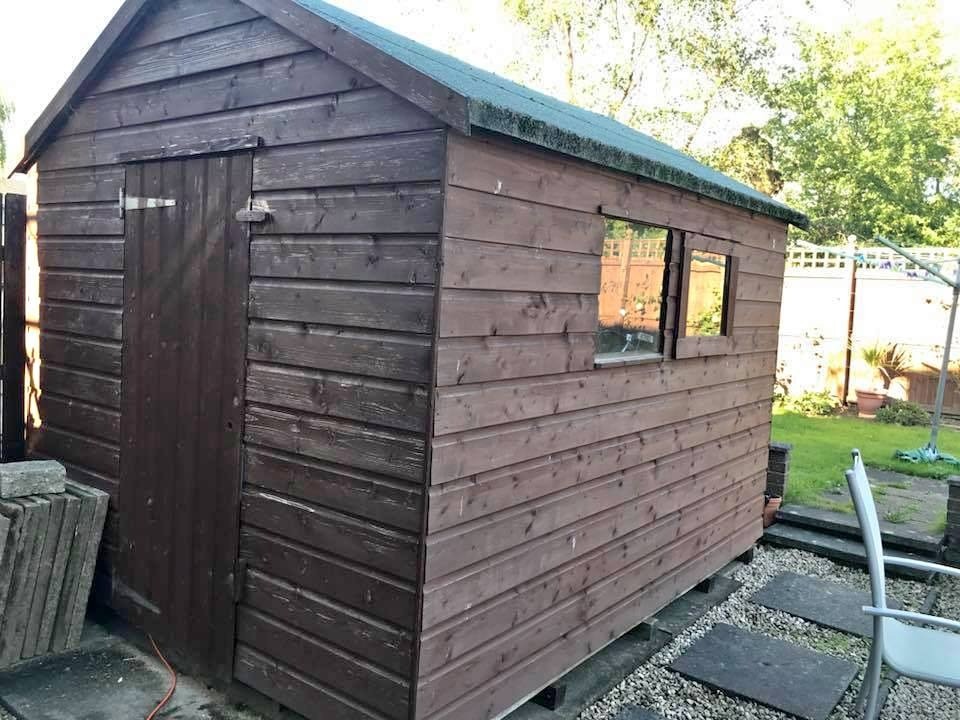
pixel 184 343
pixel 13 222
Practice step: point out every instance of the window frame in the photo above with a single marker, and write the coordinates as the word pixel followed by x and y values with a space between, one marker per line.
pixel 667 328
pixel 704 346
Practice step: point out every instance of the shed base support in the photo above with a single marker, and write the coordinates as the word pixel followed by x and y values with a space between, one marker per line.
pixel 551 697
pixel 748 556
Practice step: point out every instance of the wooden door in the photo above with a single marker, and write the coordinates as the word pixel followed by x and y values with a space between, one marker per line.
pixel 184 344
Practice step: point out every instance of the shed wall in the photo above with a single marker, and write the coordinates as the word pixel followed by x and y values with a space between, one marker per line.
pixel 567 503
pixel 341 316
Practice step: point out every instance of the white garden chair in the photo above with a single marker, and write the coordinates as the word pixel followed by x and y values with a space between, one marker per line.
pixel 915 652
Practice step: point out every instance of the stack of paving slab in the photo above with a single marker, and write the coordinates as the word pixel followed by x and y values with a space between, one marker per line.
pixel 51 529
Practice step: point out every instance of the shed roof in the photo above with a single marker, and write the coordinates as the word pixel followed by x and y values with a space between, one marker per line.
pixel 477 99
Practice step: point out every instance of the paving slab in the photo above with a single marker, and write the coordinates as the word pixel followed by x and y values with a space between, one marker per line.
pixel 767 671
pixel 822 602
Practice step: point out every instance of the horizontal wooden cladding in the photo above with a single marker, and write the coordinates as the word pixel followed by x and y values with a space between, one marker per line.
pixel 85 254
pixel 378 499
pixel 392 356
pixel 508 169
pixel 295 690
pixel 280 79
pixel 81 185
pixel 758 287
pixel 400 209
pixel 81 385
pixel 79 449
pixel 364 258
pixel 382 451
pixel 386 160
pixel 364 636
pixel 743 340
pixel 96 322
pixel 473 313
pixel 376 306
pixel 212 50
pixel 81 353
pixel 473 265
pixel 82 286
pixel 476 451
pixel 362 589
pixel 531 673
pixel 463 545
pixel 464 500
pixel 481 359
pixel 80 219
pixel 467 407
pixel 72 414
pixel 352 539
pixel 383 691
pixel 471 215
pixel 178 18
pixel 370 111
pixel 460 675
pixel 352 397
pixel 756 314
pixel 552 556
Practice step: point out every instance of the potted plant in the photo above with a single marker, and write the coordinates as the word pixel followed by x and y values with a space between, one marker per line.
pixel 888 362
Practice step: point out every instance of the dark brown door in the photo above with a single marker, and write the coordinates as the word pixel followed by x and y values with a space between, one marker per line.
pixel 186 261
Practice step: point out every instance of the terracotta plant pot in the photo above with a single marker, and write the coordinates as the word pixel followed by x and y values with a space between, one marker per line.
pixel 770 511
pixel 869 401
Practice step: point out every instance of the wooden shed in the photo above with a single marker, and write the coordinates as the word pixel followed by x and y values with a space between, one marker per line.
pixel 412 387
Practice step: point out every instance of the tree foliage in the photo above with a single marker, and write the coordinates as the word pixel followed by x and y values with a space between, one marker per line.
pixel 866 131
pixel 6 112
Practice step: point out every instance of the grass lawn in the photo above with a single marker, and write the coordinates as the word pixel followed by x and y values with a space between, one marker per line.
pixel 822 445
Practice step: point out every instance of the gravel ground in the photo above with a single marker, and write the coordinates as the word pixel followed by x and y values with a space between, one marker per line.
pixel 657 688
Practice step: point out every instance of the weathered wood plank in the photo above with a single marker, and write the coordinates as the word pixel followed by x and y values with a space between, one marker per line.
pixel 371 639
pixel 352 397
pixel 387 160
pixel 269 81
pixel 471 215
pixel 480 313
pixel 81 385
pixel 212 50
pixel 70 414
pixel 391 356
pixel 758 287
pixel 24 581
pixel 31 477
pixel 178 18
pixel 41 594
pixel 383 451
pixel 406 209
pixel 11 522
pixel 339 487
pixel 366 258
pixel 70 592
pixel 80 219
pixel 379 307
pixel 370 592
pixel 756 314
pixel 84 185
pixel 96 322
pixel 372 111
pixel 474 360
pixel 88 287
pixel 81 353
pixel 464 454
pixel 472 265
pixel 99 501
pixel 74 448
pixel 92 254
pixel 743 340
pixel 67 531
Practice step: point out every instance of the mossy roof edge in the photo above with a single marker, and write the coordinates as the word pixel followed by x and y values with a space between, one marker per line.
pixel 500 105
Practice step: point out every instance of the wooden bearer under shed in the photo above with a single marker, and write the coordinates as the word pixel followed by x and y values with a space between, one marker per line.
pixel 411 388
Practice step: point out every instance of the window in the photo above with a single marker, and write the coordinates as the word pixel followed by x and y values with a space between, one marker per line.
pixel 708 289
pixel 633 283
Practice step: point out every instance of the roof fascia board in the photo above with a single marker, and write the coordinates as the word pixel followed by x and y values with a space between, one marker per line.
pixel 420 89
pixel 117 29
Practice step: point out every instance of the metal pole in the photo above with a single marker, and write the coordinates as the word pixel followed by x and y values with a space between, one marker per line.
pixel 945 368
pixel 917 261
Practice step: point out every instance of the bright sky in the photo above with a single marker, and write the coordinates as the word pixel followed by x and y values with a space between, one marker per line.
pixel 34 66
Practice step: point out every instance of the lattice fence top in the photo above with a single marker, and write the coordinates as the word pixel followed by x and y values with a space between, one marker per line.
pixel 839 258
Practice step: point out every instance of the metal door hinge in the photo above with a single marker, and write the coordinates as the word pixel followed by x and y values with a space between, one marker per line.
pixel 129 203
pixel 254 212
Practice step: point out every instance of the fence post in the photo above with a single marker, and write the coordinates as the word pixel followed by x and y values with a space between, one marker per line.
pixel 851 318
pixel 13 340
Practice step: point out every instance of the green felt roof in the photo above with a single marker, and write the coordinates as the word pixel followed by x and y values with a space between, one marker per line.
pixel 497 104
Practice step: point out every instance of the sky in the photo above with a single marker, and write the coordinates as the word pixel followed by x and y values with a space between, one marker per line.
pixel 34 66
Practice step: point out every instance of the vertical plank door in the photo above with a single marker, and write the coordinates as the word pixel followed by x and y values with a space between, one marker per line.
pixel 184 341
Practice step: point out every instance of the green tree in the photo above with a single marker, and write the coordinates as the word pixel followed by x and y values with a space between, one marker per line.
pixel 749 157
pixel 6 112
pixel 866 131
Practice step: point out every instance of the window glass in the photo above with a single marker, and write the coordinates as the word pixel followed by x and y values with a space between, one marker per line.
pixel 707 294
pixel 633 275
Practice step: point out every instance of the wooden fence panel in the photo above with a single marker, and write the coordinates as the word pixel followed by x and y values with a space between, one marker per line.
pixel 13 333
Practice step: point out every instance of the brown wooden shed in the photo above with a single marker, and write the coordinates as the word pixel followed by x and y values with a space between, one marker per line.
pixel 412 387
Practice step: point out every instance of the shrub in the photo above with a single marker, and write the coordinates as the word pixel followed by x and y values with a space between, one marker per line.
pixel 817 404
pixel 900 412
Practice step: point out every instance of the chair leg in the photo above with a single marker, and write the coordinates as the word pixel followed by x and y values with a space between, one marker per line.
pixel 870 687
